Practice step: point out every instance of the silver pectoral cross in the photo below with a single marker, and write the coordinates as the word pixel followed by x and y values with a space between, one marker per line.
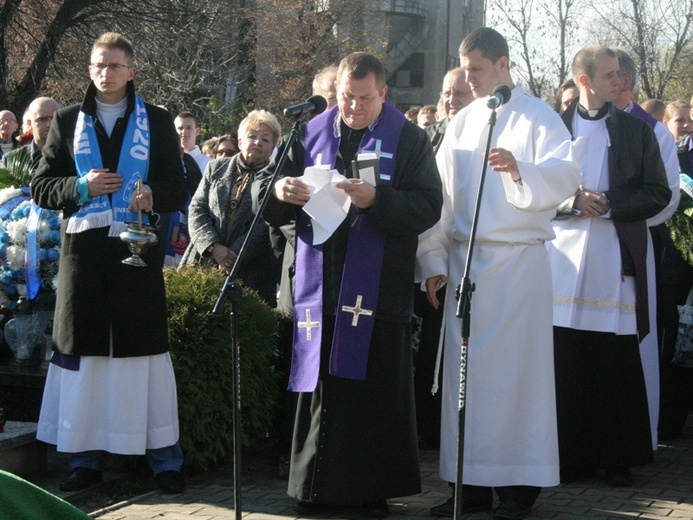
pixel 356 310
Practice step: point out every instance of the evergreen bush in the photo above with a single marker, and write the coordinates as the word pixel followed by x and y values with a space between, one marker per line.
pixel 681 223
pixel 201 352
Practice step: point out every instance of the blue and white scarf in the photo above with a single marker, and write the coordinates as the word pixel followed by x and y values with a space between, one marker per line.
pixel 133 165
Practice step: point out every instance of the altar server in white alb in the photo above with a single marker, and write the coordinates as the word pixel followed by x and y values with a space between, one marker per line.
pixel 510 431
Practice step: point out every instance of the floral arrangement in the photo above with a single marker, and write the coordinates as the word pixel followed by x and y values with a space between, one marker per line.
pixel 15 207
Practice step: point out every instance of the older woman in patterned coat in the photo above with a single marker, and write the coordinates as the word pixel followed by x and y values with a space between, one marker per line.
pixel 220 212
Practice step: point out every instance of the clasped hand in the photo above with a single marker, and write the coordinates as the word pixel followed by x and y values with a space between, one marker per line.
pixel 101 181
pixel 590 203
pixel 224 257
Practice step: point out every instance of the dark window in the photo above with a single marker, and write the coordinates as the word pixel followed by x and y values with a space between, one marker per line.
pixel 411 73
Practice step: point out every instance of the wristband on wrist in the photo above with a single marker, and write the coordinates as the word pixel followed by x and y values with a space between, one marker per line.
pixel 83 190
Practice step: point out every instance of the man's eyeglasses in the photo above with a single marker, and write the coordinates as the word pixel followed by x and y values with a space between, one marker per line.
pixel 113 67
pixel 228 152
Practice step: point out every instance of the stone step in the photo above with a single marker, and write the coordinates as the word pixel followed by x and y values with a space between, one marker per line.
pixel 20 452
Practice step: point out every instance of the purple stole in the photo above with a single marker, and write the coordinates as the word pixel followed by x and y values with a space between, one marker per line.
pixel 358 298
pixel 633 236
pixel 630 235
pixel 637 111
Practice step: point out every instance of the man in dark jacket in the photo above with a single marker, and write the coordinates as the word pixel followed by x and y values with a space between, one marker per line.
pixel 41 112
pixel 598 261
pixel 110 386
pixel 355 436
pixel 456 95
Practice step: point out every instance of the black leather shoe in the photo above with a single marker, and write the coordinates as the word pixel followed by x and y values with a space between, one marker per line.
pixel 81 478
pixel 170 482
pixel 510 509
pixel 618 477
pixel 447 508
pixel 375 509
pixel 576 473
pixel 306 508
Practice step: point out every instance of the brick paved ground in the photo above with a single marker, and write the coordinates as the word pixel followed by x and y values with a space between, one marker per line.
pixel 663 489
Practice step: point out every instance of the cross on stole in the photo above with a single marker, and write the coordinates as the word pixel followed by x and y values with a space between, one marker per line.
pixel 378 151
pixel 308 325
pixel 357 311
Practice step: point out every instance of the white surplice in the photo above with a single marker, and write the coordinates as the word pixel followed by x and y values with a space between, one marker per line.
pixel 510 428
pixel 589 292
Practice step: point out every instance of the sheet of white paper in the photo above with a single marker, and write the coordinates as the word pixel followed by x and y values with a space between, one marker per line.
pixel 320 234
pixel 328 205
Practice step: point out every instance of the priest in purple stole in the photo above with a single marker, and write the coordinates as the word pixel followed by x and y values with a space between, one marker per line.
pixel 355 442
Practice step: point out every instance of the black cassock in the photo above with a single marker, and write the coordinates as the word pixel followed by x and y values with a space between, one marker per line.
pixel 355 441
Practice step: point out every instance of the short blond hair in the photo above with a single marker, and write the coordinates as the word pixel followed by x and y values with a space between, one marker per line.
pixel 259 120
pixel 672 107
pixel 112 40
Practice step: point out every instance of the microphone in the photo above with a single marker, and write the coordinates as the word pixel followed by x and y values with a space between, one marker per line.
pixel 313 105
pixel 500 95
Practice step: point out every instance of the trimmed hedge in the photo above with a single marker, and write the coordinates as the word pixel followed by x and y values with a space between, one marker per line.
pixel 201 351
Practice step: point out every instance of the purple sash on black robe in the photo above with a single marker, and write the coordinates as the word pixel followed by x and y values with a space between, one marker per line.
pixel 637 247
pixel 633 236
pixel 358 298
pixel 637 111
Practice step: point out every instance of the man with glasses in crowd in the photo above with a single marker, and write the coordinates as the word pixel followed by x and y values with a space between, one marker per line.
pixel 8 126
pixel 456 95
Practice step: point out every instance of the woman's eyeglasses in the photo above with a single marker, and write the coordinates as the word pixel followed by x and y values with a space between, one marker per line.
pixel 228 152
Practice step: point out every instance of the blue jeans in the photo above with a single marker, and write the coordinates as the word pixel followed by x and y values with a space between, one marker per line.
pixel 169 458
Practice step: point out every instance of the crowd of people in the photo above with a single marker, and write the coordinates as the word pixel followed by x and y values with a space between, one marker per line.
pixel 577 282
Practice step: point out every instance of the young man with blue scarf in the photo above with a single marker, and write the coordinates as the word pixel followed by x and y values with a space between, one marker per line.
pixel 110 385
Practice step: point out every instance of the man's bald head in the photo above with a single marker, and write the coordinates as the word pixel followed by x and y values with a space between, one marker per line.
pixel 41 112
pixel 456 92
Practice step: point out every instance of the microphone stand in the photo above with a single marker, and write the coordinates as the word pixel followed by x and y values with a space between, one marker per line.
pixel 233 290
pixel 464 303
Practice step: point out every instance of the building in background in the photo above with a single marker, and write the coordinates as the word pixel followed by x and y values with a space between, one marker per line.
pixel 422 37
pixel 417 41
